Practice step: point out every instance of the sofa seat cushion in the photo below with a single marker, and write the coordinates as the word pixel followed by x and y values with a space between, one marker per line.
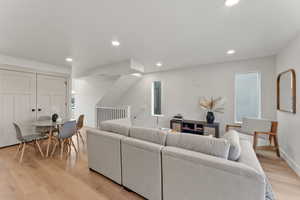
pixel 211 146
pixel 149 134
pixel 233 138
pixel 197 158
pixel 120 126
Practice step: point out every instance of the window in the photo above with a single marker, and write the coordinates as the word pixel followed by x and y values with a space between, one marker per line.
pixel 156 98
pixel 247 96
pixel 73 104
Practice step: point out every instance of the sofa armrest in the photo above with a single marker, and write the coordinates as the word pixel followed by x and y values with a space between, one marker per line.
pixel 209 176
pixel 100 133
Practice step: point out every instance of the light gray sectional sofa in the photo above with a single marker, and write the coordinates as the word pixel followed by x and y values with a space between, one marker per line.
pixel 169 166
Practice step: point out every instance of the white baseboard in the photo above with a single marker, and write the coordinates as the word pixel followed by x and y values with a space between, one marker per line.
pixel 290 162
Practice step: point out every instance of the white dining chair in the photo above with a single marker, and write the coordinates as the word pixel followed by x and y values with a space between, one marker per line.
pixel 25 139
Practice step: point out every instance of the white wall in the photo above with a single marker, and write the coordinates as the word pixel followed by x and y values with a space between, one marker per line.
pixel 289 124
pixel 88 91
pixel 117 89
pixel 10 62
pixel 183 88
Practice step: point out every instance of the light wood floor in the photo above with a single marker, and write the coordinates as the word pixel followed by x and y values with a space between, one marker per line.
pixel 285 182
pixel 70 179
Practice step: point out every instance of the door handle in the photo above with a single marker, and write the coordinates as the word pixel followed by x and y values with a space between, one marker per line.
pixel 33 110
pixel 39 109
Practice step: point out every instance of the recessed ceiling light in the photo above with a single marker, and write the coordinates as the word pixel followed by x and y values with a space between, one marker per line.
pixel 69 59
pixel 230 3
pixel 137 74
pixel 115 43
pixel 230 52
pixel 159 64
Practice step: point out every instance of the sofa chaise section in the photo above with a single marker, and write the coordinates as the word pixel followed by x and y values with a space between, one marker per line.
pixel 193 175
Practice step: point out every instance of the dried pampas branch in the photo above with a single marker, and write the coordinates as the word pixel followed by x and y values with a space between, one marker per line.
pixel 212 104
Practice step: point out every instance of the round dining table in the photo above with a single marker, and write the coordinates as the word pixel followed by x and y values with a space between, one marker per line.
pixel 51 126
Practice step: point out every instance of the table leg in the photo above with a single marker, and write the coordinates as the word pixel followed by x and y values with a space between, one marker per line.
pixel 217 132
pixel 49 141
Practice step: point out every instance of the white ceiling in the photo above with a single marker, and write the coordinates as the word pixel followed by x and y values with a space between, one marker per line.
pixel 177 32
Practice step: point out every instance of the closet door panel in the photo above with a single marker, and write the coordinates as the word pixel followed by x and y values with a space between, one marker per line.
pixel 51 95
pixel 23 112
pixel 17 99
pixel 60 105
pixel 7 134
pixel 44 105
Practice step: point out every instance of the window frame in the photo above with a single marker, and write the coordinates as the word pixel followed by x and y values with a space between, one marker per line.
pixel 259 85
pixel 152 99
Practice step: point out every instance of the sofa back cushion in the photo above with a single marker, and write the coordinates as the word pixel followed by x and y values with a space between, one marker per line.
pixel 149 134
pixel 119 126
pixel 211 146
pixel 233 138
pixel 249 125
pixel 248 156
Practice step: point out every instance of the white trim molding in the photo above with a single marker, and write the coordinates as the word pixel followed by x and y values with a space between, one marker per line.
pixel 290 162
pixel 14 63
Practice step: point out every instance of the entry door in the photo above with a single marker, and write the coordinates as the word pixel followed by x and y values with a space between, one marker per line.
pixel 17 104
pixel 51 96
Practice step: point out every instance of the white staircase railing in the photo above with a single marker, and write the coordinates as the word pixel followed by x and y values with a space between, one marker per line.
pixel 111 113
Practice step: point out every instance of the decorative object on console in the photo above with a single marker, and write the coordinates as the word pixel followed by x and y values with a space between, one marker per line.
pixel 54 117
pixel 212 105
pixel 286 91
pixel 176 123
pixel 210 117
pixel 178 116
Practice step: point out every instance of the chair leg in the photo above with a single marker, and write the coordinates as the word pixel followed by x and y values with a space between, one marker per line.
pixel 18 150
pixel 254 141
pixel 77 136
pixel 270 139
pixel 72 143
pixel 276 145
pixel 69 146
pixel 62 149
pixel 54 148
pixel 39 148
pixel 49 143
pixel 79 133
pixel 22 154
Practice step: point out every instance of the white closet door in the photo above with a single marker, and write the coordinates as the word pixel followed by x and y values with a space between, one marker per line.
pixel 17 104
pixel 51 96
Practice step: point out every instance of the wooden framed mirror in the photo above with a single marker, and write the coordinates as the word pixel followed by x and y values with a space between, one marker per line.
pixel 286 91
